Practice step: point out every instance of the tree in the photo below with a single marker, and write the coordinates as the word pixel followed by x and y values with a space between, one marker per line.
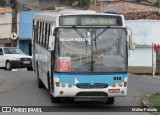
pixel 157 3
pixel 85 3
pixel 2 2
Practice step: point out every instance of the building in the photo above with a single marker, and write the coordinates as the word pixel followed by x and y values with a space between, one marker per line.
pixel 143 18
pixel 124 6
pixel 5 27
pixel 150 15
pixel 25 31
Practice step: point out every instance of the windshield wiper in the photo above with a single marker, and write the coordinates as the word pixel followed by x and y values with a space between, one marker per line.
pixel 81 35
pixel 95 39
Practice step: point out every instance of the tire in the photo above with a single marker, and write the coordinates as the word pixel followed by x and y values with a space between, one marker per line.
pixel 40 83
pixel 55 99
pixel 8 66
pixel 29 68
pixel 110 100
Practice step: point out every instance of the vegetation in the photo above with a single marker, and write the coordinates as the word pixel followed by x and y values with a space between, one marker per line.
pixel 82 3
pixel 2 2
pixel 157 3
pixel 154 99
pixel 85 3
pixel 50 8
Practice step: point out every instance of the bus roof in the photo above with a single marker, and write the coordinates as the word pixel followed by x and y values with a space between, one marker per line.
pixel 52 16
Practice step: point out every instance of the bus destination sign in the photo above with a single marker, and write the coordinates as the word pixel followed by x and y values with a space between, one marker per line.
pixel 85 20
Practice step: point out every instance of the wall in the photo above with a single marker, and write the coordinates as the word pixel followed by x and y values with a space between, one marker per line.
pixel 124 7
pixel 25 25
pixel 5 25
pixel 24 46
pixel 144 32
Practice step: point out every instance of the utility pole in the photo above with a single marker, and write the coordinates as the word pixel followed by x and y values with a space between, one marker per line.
pixel 14 4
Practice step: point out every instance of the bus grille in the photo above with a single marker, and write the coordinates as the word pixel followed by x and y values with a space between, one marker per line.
pixel 89 86
pixel 25 59
pixel 92 94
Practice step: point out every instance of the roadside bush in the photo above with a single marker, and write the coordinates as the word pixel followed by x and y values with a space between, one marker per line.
pixel 50 8
pixel 154 99
pixel 2 2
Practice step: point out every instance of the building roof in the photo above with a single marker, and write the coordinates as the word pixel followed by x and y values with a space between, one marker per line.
pixel 142 15
pixel 5 10
pixel 143 2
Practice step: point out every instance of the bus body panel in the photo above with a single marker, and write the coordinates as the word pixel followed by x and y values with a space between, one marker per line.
pixel 88 84
pixel 98 85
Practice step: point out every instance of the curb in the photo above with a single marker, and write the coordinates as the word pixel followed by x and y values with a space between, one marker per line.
pixel 144 102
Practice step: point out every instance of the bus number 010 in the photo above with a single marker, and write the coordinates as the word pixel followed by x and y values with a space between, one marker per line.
pixel 117 78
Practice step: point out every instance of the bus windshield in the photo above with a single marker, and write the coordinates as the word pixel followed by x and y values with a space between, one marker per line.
pixel 91 50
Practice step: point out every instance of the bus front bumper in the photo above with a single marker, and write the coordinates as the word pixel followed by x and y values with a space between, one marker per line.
pixel 85 86
pixel 73 91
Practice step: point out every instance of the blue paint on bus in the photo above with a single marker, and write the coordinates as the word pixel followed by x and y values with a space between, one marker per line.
pixel 108 78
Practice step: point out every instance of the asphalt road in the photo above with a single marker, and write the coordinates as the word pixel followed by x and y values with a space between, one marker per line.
pixel 19 88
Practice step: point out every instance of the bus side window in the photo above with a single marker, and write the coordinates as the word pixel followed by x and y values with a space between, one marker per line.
pixel 35 30
pixel 41 40
pixel 37 26
pixel 45 40
pixel 39 32
pixel 43 37
pixel 48 31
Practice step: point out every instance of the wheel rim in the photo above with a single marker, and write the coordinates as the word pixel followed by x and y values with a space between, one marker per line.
pixel 8 65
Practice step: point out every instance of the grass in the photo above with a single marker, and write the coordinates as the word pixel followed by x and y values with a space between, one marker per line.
pixel 154 99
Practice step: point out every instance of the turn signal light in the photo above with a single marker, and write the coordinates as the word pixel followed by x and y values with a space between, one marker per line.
pixel 69 85
pixel 120 84
pixel 113 85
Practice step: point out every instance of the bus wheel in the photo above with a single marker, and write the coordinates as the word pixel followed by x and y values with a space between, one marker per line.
pixel 8 65
pixel 110 100
pixel 40 83
pixel 55 99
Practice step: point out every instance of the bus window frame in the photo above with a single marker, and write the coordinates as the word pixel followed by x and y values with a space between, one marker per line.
pixel 56 43
pixel 45 35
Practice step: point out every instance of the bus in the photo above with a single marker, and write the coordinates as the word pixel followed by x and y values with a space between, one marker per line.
pixel 81 56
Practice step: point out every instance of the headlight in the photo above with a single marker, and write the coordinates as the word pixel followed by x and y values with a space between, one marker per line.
pixel 114 85
pixel 120 84
pixel 69 85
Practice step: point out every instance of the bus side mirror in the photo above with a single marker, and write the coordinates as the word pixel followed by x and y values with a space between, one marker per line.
pixel 130 39
pixel 51 42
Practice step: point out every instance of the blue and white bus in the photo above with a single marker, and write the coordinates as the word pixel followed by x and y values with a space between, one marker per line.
pixel 81 55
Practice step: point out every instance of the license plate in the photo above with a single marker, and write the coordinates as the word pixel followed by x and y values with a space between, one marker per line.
pixel 26 62
pixel 114 90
